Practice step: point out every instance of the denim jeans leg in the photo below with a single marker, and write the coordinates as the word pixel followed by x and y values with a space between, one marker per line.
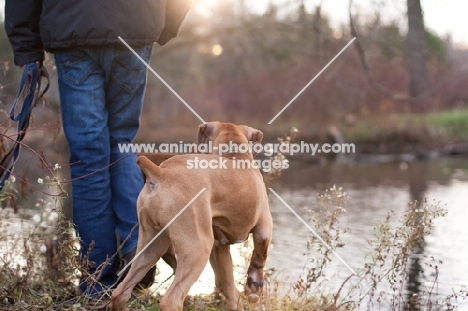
pixel 125 94
pixel 83 104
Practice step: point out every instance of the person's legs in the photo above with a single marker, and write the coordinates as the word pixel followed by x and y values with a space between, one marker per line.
pixel 85 118
pixel 101 94
pixel 124 96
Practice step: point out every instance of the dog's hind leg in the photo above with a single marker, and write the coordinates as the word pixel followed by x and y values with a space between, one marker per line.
pixel 193 252
pixel 141 264
pixel 262 237
pixel 221 261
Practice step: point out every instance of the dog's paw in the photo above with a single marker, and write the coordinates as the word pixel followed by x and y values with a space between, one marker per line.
pixel 253 298
pixel 253 289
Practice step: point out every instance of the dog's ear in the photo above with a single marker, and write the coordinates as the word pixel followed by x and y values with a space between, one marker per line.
pixel 207 131
pixel 149 169
pixel 252 134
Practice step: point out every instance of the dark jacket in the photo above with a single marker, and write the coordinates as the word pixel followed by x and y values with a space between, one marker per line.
pixel 33 26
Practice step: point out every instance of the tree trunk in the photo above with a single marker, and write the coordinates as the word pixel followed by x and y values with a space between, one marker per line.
pixel 416 45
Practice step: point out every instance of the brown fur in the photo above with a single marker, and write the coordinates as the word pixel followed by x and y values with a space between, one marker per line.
pixel 233 205
pixel 157 158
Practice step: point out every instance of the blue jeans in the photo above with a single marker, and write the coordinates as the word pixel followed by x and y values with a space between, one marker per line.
pixel 101 94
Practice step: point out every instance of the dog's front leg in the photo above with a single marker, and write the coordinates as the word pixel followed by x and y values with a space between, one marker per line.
pixel 215 266
pixel 221 261
pixel 170 257
pixel 262 238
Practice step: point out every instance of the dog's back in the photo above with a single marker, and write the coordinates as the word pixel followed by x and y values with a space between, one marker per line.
pixel 236 196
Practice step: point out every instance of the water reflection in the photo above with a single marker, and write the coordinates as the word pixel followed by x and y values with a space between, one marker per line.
pixel 417 183
pixel 376 189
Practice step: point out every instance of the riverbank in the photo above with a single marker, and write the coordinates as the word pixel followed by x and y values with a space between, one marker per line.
pixel 444 132
pixel 400 137
pixel 394 133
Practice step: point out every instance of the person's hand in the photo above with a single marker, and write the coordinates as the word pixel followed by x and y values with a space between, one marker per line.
pixel 165 37
pixel 38 63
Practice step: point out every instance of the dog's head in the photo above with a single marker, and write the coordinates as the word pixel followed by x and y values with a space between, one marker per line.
pixel 224 133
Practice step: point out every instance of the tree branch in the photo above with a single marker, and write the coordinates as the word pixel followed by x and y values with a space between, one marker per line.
pixel 379 87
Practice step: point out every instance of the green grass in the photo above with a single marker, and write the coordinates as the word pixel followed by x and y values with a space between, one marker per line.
pixel 453 123
pixel 426 130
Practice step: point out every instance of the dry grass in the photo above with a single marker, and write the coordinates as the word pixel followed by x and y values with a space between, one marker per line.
pixel 39 265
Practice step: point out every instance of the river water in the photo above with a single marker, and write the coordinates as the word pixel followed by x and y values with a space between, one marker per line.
pixel 374 189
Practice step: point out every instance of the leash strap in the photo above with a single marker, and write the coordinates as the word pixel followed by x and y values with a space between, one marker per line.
pixel 29 94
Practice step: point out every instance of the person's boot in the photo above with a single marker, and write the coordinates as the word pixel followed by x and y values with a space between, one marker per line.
pixel 147 280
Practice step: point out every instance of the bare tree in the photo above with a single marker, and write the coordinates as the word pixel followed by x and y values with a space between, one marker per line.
pixel 420 90
pixel 416 45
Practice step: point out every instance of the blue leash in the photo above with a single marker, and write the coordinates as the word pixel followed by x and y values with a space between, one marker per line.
pixel 29 93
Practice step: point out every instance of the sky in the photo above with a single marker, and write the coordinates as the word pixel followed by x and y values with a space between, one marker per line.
pixel 448 17
pixel 441 16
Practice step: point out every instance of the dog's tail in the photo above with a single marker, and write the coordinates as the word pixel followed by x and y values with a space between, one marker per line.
pixel 150 170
